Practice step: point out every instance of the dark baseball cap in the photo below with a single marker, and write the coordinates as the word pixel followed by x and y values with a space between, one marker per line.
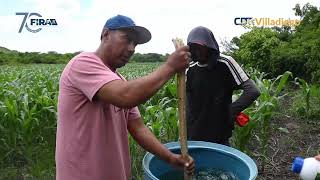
pixel 121 22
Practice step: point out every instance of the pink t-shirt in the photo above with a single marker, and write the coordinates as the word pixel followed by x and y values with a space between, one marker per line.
pixel 92 137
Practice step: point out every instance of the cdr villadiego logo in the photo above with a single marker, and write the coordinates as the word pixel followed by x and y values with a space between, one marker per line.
pixel 34 22
pixel 250 21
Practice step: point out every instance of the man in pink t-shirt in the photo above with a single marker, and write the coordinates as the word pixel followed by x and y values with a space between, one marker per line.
pixel 97 107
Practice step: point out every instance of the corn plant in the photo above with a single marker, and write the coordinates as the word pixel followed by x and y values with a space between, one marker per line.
pixel 28 102
pixel 261 114
pixel 303 108
pixel 28 98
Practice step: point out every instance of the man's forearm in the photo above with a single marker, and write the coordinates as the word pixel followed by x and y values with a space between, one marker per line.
pixel 141 89
pixel 149 142
pixel 249 95
pixel 128 94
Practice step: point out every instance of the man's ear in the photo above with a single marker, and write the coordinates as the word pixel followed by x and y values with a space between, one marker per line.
pixel 104 33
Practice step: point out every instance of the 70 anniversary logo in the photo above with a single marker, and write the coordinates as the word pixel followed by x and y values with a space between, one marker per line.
pixel 34 22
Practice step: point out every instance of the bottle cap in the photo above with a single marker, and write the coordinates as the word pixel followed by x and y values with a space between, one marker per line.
pixel 297 164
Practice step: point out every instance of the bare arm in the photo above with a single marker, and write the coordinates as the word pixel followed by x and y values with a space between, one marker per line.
pixel 128 94
pixel 149 142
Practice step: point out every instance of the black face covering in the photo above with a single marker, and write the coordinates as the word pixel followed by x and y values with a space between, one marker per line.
pixel 193 52
pixel 202 35
pixel 210 59
pixel 213 58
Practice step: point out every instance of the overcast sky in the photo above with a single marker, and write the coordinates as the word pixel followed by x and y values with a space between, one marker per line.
pixel 80 21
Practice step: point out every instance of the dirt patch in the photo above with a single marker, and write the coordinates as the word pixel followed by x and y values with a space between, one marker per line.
pixel 301 139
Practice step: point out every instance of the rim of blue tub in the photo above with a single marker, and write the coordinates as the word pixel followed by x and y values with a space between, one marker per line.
pixel 205 145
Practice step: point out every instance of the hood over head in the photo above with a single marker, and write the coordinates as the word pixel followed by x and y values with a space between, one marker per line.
pixel 203 36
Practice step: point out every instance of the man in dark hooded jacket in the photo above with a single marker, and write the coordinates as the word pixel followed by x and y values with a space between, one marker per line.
pixel 211 79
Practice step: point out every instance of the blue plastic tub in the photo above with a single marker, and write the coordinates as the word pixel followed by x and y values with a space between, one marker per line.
pixel 206 155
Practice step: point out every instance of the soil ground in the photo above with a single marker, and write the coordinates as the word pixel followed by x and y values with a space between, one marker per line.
pixel 302 139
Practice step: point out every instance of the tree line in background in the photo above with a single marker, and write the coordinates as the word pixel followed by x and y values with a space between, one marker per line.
pixel 279 49
pixel 272 50
pixel 14 57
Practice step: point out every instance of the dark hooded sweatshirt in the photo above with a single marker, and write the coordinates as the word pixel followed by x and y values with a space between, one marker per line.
pixel 210 111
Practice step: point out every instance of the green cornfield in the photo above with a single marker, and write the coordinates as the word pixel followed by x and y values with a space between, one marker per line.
pixel 28 116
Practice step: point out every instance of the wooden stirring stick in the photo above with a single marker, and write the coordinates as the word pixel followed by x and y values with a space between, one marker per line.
pixel 181 90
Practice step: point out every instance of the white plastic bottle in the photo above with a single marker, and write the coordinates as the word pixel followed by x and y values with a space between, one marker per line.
pixel 309 168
